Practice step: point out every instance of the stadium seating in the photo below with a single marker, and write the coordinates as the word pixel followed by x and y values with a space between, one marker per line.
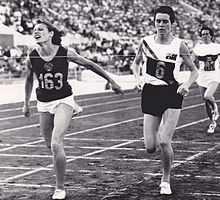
pixel 126 21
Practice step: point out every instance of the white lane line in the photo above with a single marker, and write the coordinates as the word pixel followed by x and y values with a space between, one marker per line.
pixel 204 194
pixel 110 172
pixel 113 172
pixel 21 168
pixel 88 106
pixel 94 114
pixel 16 146
pixel 89 154
pixel 111 102
pixel 193 157
pixel 207 177
pixel 19 128
pixel 82 100
pixel 28 185
pixel 77 117
pixel 193 123
pixel 101 127
pixel 75 133
pixel 32 144
pixel 92 152
pixel 173 166
pixel 98 98
pixel 17 116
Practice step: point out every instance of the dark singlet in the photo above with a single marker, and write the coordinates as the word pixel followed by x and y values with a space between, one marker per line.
pixel 209 62
pixel 51 76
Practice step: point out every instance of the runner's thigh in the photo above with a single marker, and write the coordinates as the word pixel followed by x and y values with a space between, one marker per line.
pixel 62 118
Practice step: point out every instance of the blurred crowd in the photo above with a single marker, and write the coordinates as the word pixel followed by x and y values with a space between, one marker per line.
pixel 108 31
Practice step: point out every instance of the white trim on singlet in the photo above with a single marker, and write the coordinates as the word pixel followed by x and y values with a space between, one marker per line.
pixel 161 52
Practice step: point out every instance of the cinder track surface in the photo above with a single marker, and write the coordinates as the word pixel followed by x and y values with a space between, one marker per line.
pixel 106 159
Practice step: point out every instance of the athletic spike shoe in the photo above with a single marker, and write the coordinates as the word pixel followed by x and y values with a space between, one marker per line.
pixel 165 188
pixel 59 194
pixel 212 127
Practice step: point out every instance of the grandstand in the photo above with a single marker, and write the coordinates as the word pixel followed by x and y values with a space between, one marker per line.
pixel 105 31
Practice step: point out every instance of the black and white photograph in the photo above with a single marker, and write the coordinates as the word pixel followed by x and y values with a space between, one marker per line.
pixel 109 99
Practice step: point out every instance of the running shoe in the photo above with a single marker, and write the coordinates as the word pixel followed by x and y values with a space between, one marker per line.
pixel 59 194
pixel 212 127
pixel 165 188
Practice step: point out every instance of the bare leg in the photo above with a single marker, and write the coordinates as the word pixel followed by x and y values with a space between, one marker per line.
pixel 208 96
pixel 170 119
pixel 46 125
pixel 150 129
pixel 62 118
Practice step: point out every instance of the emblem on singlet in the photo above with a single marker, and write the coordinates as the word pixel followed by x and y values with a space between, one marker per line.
pixel 209 62
pixel 48 67
pixel 171 56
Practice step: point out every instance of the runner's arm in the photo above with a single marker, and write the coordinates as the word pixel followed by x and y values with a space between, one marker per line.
pixel 135 67
pixel 185 54
pixel 195 59
pixel 28 88
pixel 78 59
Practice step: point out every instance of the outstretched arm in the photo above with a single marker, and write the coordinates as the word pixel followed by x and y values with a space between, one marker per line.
pixel 74 57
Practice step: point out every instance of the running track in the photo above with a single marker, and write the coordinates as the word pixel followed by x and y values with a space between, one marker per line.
pixel 105 153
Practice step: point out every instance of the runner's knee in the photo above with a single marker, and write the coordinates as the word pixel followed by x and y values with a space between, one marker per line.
pixel 151 150
pixel 165 144
pixel 56 146
pixel 150 147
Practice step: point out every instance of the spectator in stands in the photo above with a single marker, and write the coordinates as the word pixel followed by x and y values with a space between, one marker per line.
pixel 207 58
pixel 54 94
pixel 162 94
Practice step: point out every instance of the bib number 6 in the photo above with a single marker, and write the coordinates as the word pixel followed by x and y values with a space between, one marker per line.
pixel 160 70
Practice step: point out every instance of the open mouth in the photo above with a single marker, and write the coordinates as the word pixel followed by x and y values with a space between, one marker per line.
pixel 37 37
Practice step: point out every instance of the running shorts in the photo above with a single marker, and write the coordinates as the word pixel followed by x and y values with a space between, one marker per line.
pixel 207 77
pixel 52 105
pixel 156 99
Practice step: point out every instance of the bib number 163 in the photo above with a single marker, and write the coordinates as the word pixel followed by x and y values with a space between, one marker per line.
pixel 49 81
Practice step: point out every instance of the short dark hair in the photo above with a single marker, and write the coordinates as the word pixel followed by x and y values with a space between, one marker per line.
pixel 206 28
pixel 167 10
pixel 56 39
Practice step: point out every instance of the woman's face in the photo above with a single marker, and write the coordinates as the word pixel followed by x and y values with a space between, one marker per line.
pixel 41 33
pixel 162 24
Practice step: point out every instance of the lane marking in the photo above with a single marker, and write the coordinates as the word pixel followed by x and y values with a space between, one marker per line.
pixel 173 166
pixel 98 98
pixel 91 153
pixel 82 100
pixel 204 194
pixel 94 114
pixel 30 144
pixel 77 117
pixel 113 172
pixel 87 106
